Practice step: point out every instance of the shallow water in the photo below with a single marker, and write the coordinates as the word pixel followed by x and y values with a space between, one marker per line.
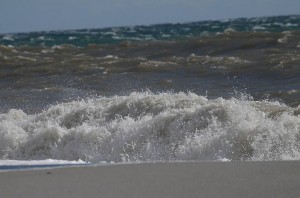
pixel 212 90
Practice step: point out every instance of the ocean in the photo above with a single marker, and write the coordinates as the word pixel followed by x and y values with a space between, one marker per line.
pixel 219 90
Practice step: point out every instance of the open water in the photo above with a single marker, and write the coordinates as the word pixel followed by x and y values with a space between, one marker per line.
pixel 212 90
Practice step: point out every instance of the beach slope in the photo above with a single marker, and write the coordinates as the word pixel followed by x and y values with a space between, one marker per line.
pixel 177 179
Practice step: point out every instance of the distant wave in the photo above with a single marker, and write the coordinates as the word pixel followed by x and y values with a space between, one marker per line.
pixel 161 32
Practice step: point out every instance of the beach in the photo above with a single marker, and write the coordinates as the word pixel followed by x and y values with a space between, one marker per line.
pixel 198 109
pixel 168 179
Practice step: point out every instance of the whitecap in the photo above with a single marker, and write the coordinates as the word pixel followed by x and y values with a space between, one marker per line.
pixel 147 126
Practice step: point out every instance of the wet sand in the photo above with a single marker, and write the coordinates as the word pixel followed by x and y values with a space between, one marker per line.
pixel 179 179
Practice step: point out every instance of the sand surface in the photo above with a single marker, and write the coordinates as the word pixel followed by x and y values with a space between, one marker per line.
pixel 180 179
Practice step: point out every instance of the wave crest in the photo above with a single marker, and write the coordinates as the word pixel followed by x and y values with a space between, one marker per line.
pixel 147 126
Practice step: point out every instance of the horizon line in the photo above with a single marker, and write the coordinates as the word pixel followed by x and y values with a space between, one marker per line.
pixel 137 25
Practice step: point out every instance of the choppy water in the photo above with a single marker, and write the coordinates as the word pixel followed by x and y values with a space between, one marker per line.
pixel 212 90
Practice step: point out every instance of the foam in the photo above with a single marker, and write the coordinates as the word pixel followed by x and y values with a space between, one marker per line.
pixel 8 37
pixel 151 127
pixel 38 162
pixel 257 27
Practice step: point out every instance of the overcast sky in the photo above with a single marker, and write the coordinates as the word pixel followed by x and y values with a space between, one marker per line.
pixel 36 15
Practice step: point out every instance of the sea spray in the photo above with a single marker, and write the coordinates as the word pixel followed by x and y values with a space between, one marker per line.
pixel 150 127
pixel 46 79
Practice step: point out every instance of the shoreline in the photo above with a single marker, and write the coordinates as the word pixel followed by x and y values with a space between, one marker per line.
pixel 159 179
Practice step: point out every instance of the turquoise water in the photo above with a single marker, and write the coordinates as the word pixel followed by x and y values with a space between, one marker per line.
pixel 116 35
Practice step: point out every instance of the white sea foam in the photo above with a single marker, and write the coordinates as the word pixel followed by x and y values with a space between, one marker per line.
pixel 287 35
pixel 38 162
pixel 8 37
pixel 41 38
pixel 291 25
pixel 146 126
pixel 257 27
pixel 57 47
pixel 229 30
pixel 72 38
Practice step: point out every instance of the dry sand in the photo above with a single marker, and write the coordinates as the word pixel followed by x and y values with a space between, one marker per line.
pixel 179 179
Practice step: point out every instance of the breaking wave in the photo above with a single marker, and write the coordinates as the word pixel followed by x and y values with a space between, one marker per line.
pixel 151 127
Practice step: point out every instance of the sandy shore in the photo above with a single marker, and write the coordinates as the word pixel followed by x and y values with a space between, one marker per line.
pixel 181 179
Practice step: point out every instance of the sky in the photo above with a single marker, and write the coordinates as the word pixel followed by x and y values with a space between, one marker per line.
pixel 39 15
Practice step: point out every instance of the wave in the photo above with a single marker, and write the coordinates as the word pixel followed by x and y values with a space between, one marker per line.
pixel 160 32
pixel 151 127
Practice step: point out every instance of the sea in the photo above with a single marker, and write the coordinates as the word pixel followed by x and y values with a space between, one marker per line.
pixel 217 90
